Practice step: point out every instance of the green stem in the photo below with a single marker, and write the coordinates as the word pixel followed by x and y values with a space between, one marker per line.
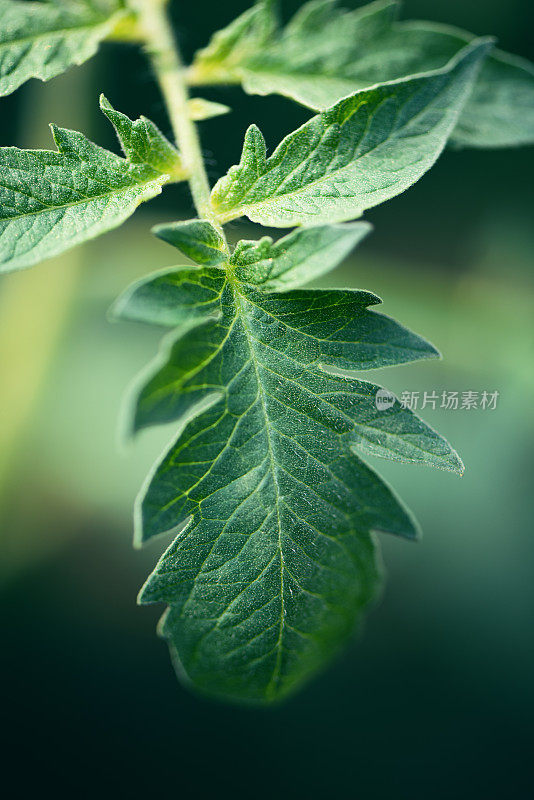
pixel 165 58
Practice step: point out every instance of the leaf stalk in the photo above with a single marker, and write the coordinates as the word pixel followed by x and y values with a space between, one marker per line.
pixel 164 55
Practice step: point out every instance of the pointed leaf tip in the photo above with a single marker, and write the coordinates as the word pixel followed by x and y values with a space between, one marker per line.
pixel 143 143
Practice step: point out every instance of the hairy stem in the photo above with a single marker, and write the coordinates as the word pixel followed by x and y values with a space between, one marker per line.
pixel 165 57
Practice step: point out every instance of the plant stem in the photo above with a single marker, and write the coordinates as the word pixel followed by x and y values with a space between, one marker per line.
pixel 165 58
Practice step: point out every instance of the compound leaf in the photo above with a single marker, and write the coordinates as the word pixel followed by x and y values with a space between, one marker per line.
pixel 51 201
pixel 41 40
pixel 326 53
pixel 275 559
pixel 365 149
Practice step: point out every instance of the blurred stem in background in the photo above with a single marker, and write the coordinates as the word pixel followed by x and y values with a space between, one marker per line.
pixel 35 304
pixel 33 310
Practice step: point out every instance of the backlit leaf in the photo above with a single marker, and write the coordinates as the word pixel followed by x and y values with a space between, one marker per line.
pixel 43 39
pixel 143 143
pixel 275 558
pixel 326 53
pixel 197 239
pixel 51 201
pixel 367 148
pixel 297 258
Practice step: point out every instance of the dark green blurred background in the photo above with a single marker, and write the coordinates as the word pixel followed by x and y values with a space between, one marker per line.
pixel 436 699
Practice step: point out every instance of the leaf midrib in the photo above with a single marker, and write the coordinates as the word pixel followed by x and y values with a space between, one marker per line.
pixel 241 313
pixel 47 209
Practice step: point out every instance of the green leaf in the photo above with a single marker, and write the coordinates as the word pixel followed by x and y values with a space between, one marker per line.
pixel 51 201
pixel 230 47
pixel 41 40
pixel 296 259
pixel 197 239
pixel 143 143
pixel 184 295
pixel 326 53
pixel 367 148
pixel 275 560
pixel 313 60
pixel 500 111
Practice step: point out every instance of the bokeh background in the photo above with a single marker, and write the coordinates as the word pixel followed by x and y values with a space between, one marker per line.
pixel 436 699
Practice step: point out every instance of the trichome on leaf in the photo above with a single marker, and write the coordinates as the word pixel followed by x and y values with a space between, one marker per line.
pixel 265 486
